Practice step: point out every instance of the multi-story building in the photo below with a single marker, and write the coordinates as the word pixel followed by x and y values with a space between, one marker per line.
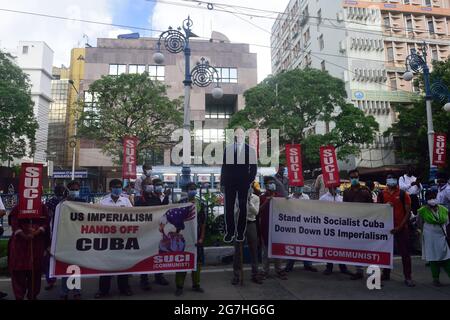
pixel 235 63
pixel 35 58
pixel 364 43
pixel 57 118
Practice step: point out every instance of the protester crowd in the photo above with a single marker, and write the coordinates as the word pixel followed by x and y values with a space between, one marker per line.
pixel 27 264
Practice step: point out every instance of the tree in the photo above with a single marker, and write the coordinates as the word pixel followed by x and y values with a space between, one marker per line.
pixel 411 129
pixel 129 105
pixel 18 125
pixel 294 101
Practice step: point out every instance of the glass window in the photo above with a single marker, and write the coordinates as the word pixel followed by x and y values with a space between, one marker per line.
pixel 136 69
pixel 227 75
pixel 156 72
pixel 117 69
pixel 25 50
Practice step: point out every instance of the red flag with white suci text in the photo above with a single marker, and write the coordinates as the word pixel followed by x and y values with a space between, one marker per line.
pixel 440 149
pixel 30 190
pixel 330 168
pixel 294 165
pixel 129 158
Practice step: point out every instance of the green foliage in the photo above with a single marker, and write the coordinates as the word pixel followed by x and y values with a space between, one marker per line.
pixel 411 128
pixel 18 125
pixel 130 105
pixel 294 101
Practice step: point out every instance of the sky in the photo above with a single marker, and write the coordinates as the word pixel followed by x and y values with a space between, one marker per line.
pixel 63 35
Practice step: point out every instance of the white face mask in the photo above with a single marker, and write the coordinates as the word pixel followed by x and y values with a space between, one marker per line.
pixel 432 202
pixel 148 173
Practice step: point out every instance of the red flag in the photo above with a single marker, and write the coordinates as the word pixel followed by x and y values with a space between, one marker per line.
pixel 330 168
pixel 129 158
pixel 294 165
pixel 30 190
pixel 439 149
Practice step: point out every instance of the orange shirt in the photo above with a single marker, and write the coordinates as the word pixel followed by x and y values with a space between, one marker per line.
pixel 394 198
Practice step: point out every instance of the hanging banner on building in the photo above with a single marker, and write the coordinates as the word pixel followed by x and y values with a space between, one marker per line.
pixel 335 232
pixel 30 190
pixel 103 240
pixel 129 158
pixel 330 168
pixel 440 149
pixel 294 165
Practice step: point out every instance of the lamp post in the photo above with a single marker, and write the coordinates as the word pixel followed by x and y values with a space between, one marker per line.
pixel 73 143
pixel 415 63
pixel 201 75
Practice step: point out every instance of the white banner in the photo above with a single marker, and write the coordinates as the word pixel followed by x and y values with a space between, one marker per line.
pixel 103 240
pixel 348 233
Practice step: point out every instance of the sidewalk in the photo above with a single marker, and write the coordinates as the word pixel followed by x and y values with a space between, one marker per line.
pixel 301 285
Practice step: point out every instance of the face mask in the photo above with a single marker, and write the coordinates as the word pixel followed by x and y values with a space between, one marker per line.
pixel 149 188
pixel 74 193
pixel 148 173
pixel 271 187
pixel 299 190
pixel 132 191
pixel 354 181
pixel 432 202
pixel 391 182
pixel 192 194
pixel 158 189
pixel 116 192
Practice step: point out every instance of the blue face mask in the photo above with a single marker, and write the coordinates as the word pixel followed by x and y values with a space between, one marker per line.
pixel 354 181
pixel 391 182
pixel 192 194
pixel 299 189
pixel 158 189
pixel 74 193
pixel 271 187
pixel 116 192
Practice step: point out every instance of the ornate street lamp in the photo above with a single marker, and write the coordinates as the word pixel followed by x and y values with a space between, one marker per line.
pixel 202 75
pixel 416 63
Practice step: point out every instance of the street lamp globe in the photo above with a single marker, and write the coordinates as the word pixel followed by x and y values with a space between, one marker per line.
pixel 447 107
pixel 408 76
pixel 217 93
pixel 158 57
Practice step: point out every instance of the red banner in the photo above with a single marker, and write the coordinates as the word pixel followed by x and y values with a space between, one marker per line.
pixel 439 149
pixel 294 165
pixel 330 168
pixel 30 190
pixel 129 158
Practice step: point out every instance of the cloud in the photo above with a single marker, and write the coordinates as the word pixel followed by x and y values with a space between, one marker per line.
pixel 60 35
pixel 234 28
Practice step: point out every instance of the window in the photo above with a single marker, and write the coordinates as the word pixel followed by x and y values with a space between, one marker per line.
pixel 136 69
pixel 117 69
pixel 393 83
pixel 409 24
pixel 25 50
pixel 321 42
pixel 90 111
pixel 227 75
pixel 390 54
pixel 434 55
pixel 431 26
pixel 323 66
pixel 387 22
pixel 428 3
pixel 210 135
pixel 306 36
pixel 157 72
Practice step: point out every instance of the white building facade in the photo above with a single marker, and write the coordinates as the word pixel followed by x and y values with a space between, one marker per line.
pixel 35 58
pixel 364 43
